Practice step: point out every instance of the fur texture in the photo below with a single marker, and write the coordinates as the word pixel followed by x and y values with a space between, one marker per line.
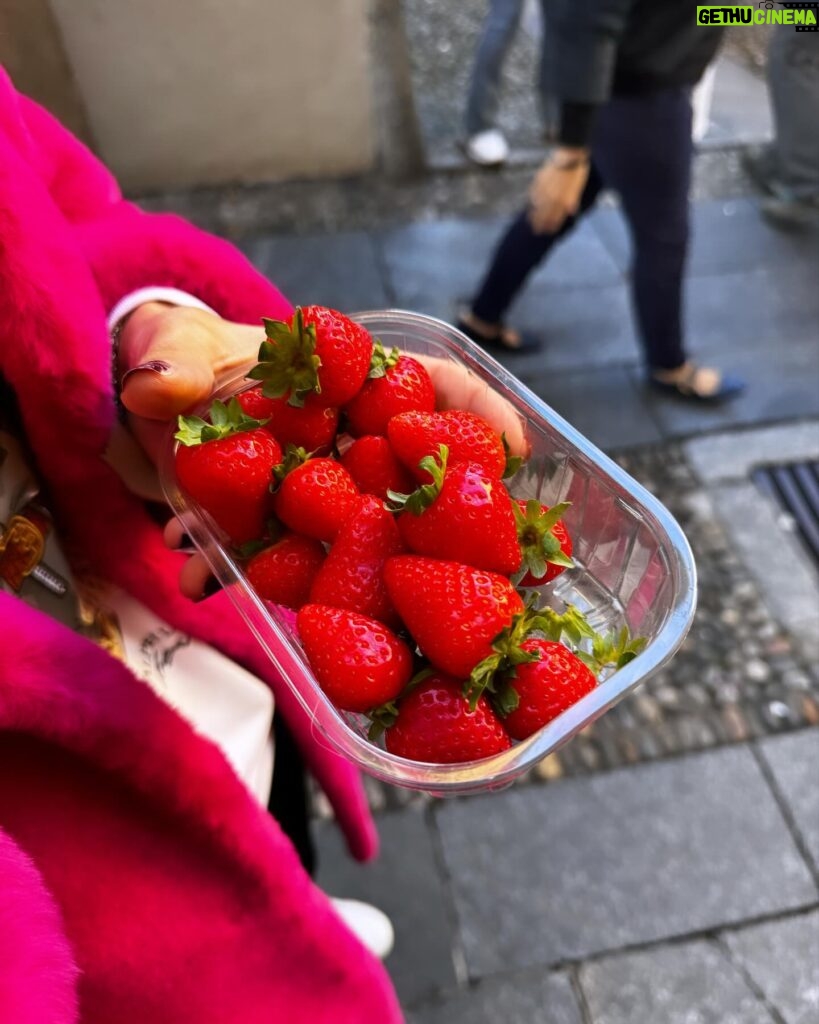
pixel 181 899
pixel 38 974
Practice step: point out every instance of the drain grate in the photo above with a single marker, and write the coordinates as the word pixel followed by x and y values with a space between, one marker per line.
pixel 795 487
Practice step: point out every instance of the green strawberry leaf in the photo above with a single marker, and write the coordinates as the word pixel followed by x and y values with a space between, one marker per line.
pixel 513 462
pixel 293 458
pixel 225 420
pixel 382 361
pixel 421 499
pixel 539 546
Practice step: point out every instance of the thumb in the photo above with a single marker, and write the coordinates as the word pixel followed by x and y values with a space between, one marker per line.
pixel 166 361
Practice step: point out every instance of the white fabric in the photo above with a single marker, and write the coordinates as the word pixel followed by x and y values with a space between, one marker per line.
pixel 219 698
pixel 173 296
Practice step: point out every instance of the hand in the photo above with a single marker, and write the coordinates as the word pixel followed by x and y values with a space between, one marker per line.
pixel 458 388
pixel 557 188
pixel 171 358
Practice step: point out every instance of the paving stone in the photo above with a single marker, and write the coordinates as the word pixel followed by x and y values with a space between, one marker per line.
pixel 732 456
pixel 582 328
pixel 340 271
pixel 782 958
pixel 529 999
pixel 794 760
pixel 602 403
pixel 633 856
pixel 690 983
pixel 769 311
pixel 435 264
pixel 405 883
pixel 779 386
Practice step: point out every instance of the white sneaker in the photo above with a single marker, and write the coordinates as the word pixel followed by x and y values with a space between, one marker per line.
pixel 370 925
pixel 488 149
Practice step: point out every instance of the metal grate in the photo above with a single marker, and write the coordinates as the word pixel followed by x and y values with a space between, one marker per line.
pixel 795 487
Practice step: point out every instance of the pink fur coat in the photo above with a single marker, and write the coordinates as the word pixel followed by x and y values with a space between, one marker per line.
pixel 139 880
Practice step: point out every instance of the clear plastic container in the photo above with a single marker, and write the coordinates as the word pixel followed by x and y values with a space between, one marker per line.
pixel 633 566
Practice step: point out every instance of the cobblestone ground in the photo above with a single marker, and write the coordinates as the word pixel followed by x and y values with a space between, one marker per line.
pixel 738 675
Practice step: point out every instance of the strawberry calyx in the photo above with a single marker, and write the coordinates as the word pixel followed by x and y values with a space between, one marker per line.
pixel 225 419
pixel 421 498
pixel 288 364
pixel 386 715
pixel 381 360
pixel 488 675
pixel 613 650
pixel 293 458
pixel 538 543
pixel 513 462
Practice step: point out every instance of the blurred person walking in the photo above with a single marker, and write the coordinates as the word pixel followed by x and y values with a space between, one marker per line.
pixel 622 73
pixel 485 143
pixel 788 168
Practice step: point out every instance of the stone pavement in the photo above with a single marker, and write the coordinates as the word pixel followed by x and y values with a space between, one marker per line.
pixel 664 867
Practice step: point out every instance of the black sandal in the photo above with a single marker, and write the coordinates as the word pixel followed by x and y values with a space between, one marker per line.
pixel 528 342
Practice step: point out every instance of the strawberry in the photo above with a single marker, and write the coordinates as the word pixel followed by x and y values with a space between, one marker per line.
pixel 435 724
pixel 319 351
pixel 312 426
pixel 544 541
pixel 415 435
pixel 396 383
pixel 226 465
pixel 453 611
pixel 315 497
pixel 284 572
pixel 371 463
pixel 353 575
pixel 358 662
pixel 540 690
pixel 463 516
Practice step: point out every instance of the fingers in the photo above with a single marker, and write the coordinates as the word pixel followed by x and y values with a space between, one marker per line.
pixel 196 580
pixel 457 388
pixel 173 358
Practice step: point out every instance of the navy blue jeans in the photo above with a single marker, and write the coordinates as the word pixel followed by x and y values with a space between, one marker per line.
pixel 642 150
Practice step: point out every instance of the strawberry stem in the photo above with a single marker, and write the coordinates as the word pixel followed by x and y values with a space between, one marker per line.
pixel 420 500
pixel 538 543
pixel 382 361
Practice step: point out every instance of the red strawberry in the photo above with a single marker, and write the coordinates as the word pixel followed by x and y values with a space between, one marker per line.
pixel 284 572
pixel 453 611
pixel 319 351
pixel 435 725
pixel 544 688
pixel 415 435
pixel 463 515
pixel 312 426
pixel 353 575
pixel 371 463
pixel 544 541
pixel 358 662
pixel 315 497
pixel 226 465
pixel 395 384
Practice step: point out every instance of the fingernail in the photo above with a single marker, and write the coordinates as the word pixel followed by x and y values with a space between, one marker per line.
pixel 155 366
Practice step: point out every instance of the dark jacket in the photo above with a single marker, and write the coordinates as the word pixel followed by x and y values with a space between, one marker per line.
pixel 601 48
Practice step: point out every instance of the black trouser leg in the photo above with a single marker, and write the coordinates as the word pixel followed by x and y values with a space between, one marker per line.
pixel 643 148
pixel 289 800
pixel 518 253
